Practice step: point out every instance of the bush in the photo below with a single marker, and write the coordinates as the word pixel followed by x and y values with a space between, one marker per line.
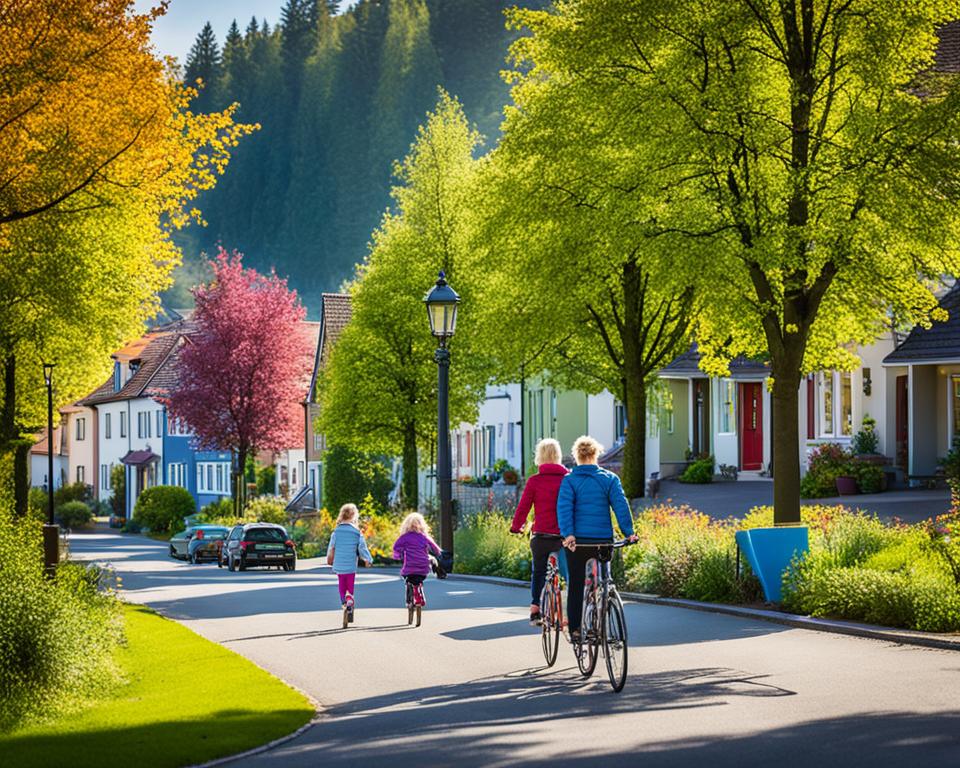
pixel 869 476
pixel 267 509
pixel 484 545
pixel 267 480
pixel 827 462
pixel 700 471
pixel 74 492
pixel 57 638
pixel 163 507
pixel 37 503
pixel 73 514
pixel 118 482
pixel 217 511
pixel 866 441
pixel 313 534
pixel 350 476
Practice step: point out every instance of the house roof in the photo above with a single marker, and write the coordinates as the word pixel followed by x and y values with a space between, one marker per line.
pixel 947 57
pixel 40 447
pixel 165 379
pixel 151 351
pixel 335 313
pixel 938 343
pixel 137 458
pixel 688 364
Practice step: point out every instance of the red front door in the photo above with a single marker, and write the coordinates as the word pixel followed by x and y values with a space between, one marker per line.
pixel 751 426
pixel 903 425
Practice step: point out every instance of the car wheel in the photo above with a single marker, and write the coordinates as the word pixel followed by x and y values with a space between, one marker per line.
pixel 292 565
pixel 230 566
pixel 241 566
pixel 195 558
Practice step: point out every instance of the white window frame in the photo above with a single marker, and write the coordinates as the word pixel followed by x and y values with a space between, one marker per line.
pixel 727 407
pixel 123 423
pixel 953 380
pixel 106 426
pixel 838 423
pixel 160 423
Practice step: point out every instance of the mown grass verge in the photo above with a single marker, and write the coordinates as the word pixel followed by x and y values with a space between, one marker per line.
pixel 185 700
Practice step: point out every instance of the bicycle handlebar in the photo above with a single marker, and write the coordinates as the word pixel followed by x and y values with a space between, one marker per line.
pixel 618 544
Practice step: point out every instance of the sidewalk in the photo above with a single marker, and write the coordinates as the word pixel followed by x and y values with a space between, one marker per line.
pixel 736 498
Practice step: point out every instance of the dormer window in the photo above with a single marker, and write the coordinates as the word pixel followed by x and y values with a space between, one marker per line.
pixel 117 382
pixel 132 367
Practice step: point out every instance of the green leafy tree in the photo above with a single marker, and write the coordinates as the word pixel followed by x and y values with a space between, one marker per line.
pixel 812 145
pixel 379 387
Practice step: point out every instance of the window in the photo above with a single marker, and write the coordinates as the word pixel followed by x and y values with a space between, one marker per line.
pixel 491 446
pixel 117 381
pixel 80 473
pixel 317 442
pixel 106 425
pixel 553 413
pixel 123 424
pixel 159 423
pixel 825 385
pixel 846 405
pixel 219 477
pixel 955 404
pixel 141 430
pixel 210 477
pixel 213 477
pixel 728 406
pixel 293 477
pixel 104 477
pixel 511 437
pixel 300 472
pixel 81 429
pixel 619 422
pixel 177 474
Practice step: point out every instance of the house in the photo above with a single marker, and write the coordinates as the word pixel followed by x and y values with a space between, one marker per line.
pixel 80 434
pixel 923 393
pixel 39 459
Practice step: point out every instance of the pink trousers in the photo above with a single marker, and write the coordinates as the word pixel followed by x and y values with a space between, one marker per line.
pixel 345 581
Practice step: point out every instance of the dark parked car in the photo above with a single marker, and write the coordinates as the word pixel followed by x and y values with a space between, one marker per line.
pixel 258 544
pixel 180 542
pixel 206 543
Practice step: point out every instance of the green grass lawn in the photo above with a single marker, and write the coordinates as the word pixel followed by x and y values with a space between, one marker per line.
pixel 186 700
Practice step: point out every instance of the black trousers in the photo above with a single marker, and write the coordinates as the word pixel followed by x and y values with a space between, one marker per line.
pixel 577 563
pixel 540 548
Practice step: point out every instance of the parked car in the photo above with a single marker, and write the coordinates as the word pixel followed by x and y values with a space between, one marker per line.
pixel 206 543
pixel 252 545
pixel 180 542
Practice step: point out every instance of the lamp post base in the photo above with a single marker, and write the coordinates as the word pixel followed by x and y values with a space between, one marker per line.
pixel 51 549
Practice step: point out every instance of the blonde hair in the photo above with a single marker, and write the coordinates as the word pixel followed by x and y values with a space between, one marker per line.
pixel 348 514
pixel 414 522
pixel 585 449
pixel 548 451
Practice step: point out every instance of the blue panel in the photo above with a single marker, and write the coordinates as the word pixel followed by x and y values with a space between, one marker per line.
pixel 769 552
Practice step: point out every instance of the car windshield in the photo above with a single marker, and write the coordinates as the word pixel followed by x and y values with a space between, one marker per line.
pixel 265 534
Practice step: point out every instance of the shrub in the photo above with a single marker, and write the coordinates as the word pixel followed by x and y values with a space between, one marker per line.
pixel 827 462
pixel 163 507
pixel 118 482
pixel 866 441
pixel 37 503
pixel 73 492
pixel 700 471
pixel 869 476
pixel 73 514
pixel 267 480
pixel 313 534
pixel 267 509
pixel 484 545
pixel 349 476
pixel 57 638
pixel 217 511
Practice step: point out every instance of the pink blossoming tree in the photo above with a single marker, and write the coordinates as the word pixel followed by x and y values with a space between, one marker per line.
pixel 243 372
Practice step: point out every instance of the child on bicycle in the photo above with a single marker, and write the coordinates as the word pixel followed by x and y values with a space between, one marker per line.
pixel 540 494
pixel 414 547
pixel 346 545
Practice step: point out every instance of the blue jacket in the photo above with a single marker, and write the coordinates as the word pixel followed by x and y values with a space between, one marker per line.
pixel 583 506
pixel 348 544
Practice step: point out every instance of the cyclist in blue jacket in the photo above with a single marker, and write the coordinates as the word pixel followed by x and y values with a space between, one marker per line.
pixel 583 513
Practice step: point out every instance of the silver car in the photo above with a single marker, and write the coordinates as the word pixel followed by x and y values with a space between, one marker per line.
pixel 180 542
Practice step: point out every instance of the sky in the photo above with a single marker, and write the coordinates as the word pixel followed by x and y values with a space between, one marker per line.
pixel 175 32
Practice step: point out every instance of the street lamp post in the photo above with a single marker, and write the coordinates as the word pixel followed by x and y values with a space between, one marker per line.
pixel 441 304
pixel 51 532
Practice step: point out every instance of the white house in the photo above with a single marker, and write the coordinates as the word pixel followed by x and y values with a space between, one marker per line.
pixel 39 459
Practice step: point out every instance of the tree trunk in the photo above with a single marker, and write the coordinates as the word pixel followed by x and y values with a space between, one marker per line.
pixel 786 445
pixel 239 482
pixel 635 449
pixel 21 478
pixel 410 491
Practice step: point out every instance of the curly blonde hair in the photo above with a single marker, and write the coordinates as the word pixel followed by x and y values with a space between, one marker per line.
pixel 586 449
pixel 348 514
pixel 414 522
pixel 548 451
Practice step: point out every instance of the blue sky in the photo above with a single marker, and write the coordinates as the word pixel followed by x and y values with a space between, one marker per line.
pixel 174 33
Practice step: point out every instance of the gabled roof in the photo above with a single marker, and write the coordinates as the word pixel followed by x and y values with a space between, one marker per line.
pixel 688 364
pixel 947 57
pixel 165 379
pixel 938 343
pixel 60 447
pixel 150 352
pixel 335 312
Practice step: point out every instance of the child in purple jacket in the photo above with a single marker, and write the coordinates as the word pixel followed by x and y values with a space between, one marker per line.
pixel 414 548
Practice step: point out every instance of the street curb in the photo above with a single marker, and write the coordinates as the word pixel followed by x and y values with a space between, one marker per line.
pixel 870 631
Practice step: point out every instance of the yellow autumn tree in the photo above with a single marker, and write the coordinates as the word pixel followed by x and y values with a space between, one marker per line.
pixel 100 158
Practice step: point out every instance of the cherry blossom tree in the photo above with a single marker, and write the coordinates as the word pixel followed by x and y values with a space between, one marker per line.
pixel 243 371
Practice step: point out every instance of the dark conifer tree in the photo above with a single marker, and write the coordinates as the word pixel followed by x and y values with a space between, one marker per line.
pixel 203 64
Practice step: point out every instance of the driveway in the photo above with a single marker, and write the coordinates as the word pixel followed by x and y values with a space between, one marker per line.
pixel 734 499
pixel 468 688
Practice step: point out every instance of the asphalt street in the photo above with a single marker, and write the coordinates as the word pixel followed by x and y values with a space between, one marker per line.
pixel 468 688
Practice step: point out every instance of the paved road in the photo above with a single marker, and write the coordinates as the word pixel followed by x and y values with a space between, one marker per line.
pixel 726 499
pixel 468 687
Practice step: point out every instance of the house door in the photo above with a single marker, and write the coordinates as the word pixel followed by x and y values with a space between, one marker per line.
pixel 701 417
pixel 751 426
pixel 903 425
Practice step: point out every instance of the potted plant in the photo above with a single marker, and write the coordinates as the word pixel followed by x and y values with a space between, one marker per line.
pixel 510 476
pixel 847 481
pixel 865 443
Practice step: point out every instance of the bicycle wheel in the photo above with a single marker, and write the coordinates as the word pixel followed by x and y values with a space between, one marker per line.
pixel 615 643
pixel 549 626
pixel 586 650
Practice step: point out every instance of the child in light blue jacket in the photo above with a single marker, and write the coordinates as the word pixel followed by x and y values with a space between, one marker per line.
pixel 346 545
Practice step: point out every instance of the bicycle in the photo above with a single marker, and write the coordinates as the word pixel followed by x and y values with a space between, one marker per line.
pixel 603 628
pixel 551 611
pixel 416 600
